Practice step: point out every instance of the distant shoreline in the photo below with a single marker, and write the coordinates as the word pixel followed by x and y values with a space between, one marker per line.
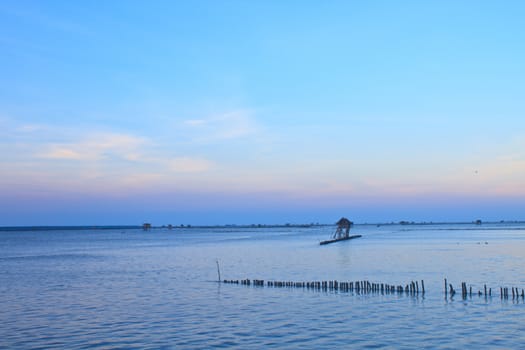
pixel 140 227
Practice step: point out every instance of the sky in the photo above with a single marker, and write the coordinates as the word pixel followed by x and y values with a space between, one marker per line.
pixel 246 112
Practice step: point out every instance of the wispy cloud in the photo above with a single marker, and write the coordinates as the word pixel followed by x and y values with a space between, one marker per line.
pixel 226 126
pixel 195 122
pixel 122 161
pixel 29 128
pixel 189 165
pixel 97 146
pixel 85 158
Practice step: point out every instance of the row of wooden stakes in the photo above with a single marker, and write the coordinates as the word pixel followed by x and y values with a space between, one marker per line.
pixel 364 287
pixel 467 292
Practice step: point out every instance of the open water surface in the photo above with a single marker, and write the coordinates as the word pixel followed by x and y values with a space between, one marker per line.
pixel 133 289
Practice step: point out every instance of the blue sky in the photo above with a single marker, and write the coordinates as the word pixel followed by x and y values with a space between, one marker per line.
pixel 218 112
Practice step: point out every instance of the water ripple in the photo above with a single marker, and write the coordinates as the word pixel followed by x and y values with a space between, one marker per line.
pixel 140 291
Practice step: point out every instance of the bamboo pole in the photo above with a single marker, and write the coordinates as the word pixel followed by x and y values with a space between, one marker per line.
pixel 218 269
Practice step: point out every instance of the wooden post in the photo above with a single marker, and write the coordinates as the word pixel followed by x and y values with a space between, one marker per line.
pixel 218 269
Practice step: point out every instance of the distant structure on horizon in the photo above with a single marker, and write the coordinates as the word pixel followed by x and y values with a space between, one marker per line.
pixel 343 228
pixel 146 226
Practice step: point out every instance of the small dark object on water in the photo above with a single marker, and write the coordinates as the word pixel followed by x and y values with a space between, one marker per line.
pixel 339 239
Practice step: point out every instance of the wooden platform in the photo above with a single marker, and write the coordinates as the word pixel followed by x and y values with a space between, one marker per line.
pixel 339 239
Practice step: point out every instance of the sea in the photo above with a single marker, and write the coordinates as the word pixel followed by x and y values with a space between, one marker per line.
pixel 126 288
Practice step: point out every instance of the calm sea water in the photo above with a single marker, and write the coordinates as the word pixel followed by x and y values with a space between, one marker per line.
pixel 134 289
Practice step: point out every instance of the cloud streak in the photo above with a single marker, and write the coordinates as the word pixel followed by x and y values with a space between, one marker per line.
pixel 118 162
pixel 97 146
pixel 189 165
pixel 90 159
pixel 226 126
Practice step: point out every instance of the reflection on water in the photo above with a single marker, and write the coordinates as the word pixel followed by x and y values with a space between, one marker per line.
pixel 105 289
